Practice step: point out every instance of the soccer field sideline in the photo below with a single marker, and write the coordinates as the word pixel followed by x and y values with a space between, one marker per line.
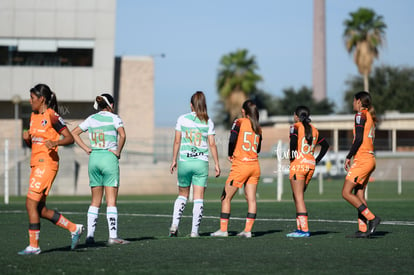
pixel 397 223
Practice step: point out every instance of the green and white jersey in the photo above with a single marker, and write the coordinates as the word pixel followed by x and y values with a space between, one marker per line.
pixel 194 137
pixel 102 128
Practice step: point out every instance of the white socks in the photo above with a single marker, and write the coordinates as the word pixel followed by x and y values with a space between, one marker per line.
pixel 112 217
pixel 197 215
pixel 179 207
pixel 92 220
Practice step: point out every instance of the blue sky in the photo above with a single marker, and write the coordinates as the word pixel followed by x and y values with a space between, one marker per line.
pixel 194 35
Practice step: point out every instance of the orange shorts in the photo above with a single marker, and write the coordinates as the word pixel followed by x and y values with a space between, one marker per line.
pixel 241 174
pixel 301 171
pixel 361 170
pixel 41 180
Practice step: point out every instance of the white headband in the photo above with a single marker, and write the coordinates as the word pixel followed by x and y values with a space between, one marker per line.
pixel 95 105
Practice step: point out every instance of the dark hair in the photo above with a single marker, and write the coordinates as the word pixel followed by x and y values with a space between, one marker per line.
pixel 250 109
pixel 198 100
pixel 102 104
pixel 50 97
pixel 303 114
pixel 366 102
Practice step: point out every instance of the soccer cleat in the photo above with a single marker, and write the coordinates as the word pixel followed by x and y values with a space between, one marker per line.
pixel 173 231
pixel 372 224
pixel 245 234
pixel 359 234
pixel 194 235
pixel 219 233
pixel 298 234
pixel 30 250
pixel 117 241
pixel 90 241
pixel 76 236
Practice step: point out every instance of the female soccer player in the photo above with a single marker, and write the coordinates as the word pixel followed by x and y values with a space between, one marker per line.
pixel 244 146
pixel 362 150
pixel 104 152
pixel 194 133
pixel 303 139
pixel 46 128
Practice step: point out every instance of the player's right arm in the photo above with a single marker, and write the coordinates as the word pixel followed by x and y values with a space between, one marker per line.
pixel 27 138
pixel 76 136
pixel 176 148
pixel 234 133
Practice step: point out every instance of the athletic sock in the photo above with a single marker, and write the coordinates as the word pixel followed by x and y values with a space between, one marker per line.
pixel 198 208
pixel 366 213
pixel 65 223
pixel 303 220
pixel 179 206
pixel 93 212
pixel 251 217
pixel 112 217
pixel 362 223
pixel 224 221
pixel 34 234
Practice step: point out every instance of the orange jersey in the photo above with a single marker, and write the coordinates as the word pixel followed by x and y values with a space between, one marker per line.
pixel 248 142
pixel 43 127
pixel 364 119
pixel 304 152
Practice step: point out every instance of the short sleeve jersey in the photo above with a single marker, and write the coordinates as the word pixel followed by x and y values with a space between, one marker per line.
pixel 194 137
pixel 247 142
pixel 45 126
pixel 364 119
pixel 102 128
pixel 304 149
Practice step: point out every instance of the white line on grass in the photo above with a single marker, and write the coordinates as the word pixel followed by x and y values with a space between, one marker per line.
pixel 408 223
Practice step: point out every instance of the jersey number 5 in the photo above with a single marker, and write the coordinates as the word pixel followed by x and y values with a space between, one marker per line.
pixel 247 144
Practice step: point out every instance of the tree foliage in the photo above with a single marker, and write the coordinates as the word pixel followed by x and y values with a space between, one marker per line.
pixel 364 33
pixel 391 89
pixel 303 96
pixel 237 79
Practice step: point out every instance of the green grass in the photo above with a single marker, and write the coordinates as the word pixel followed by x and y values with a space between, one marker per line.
pixel 144 220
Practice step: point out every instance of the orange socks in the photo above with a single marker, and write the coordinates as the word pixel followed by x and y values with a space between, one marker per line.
pixel 303 221
pixel 366 213
pixel 224 221
pixel 251 217
pixel 34 234
pixel 66 224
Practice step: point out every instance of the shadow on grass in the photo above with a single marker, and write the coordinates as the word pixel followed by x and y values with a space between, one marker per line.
pixel 97 245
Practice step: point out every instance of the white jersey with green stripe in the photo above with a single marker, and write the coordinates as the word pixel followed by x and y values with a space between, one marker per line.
pixel 102 128
pixel 194 137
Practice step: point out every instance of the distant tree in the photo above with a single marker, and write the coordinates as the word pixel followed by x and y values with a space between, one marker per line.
pixel 266 101
pixel 303 96
pixel 364 34
pixel 392 89
pixel 236 81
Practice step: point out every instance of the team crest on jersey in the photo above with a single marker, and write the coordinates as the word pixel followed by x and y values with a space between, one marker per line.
pixel 358 118
pixel 44 122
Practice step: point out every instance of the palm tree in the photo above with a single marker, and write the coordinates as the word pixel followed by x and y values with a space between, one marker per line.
pixel 364 34
pixel 236 80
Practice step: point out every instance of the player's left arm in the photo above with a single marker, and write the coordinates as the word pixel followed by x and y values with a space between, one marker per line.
pixel 59 125
pixel 324 149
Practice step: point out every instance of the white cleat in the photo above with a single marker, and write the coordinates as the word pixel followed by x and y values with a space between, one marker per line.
pixel 117 241
pixel 245 234
pixel 219 233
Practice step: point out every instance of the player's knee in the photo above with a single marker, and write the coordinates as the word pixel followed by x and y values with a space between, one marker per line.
pixel 223 195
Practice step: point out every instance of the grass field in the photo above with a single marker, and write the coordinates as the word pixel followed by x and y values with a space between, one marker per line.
pixel 144 220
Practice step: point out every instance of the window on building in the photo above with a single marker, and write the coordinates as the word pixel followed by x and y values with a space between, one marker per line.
pixel 44 52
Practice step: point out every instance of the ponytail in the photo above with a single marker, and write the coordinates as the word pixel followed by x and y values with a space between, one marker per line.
pixel 303 113
pixel 252 113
